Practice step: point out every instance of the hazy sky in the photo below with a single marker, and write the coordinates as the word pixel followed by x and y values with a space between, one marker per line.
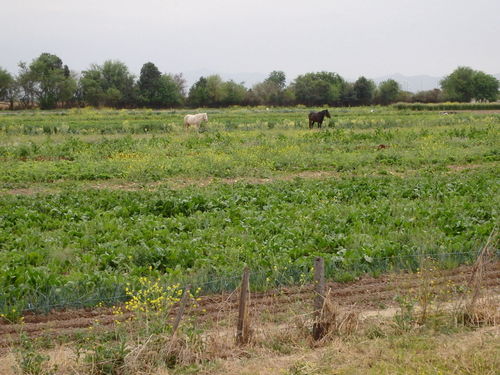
pixel 350 37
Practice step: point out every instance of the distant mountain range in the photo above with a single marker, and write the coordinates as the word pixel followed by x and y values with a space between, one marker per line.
pixel 407 83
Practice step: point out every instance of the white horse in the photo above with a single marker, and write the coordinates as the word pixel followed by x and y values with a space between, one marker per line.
pixel 195 119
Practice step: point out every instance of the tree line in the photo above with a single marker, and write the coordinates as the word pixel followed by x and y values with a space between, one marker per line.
pixel 48 83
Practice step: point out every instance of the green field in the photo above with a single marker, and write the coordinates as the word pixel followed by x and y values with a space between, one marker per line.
pixel 91 200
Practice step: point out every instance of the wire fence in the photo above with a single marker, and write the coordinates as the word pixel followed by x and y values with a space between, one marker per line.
pixel 337 269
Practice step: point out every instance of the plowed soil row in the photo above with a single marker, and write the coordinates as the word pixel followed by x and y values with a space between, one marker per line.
pixel 366 294
pixel 183 182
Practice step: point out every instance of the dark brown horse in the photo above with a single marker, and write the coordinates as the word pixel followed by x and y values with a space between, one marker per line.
pixel 318 117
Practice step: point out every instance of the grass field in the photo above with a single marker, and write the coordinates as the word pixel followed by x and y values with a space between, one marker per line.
pixel 91 200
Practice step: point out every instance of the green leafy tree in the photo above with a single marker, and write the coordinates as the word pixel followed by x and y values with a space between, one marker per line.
pixel 215 89
pixel 319 88
pixel 9 88
pixel 388 92
pixel 198 94
pixel 6 81
pixel 118 84
pixel 485 87
pixel 52 81
pixel 27 85
pixel 349 95
pixel 149 86
pixel 180 82
pixel 234 93
pixel 110 84
pixel 170 91
pixel 91 86
pixel 272 89
pixel 277 78
pixel 260 94
pixel 364 90
pixel 459 85
pixel 465 84
pixel 159 90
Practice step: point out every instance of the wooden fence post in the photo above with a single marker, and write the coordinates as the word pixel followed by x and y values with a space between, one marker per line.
pixel 242 331
pixel 319 299
pixel 182 307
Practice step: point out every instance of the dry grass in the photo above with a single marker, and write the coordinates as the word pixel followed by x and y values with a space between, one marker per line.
pixel 478 307
pixel 440 338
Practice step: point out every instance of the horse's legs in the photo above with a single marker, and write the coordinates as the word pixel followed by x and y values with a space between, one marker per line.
pixel 311 123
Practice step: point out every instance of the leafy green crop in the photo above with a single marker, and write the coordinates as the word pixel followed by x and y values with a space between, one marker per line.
pixel 172 208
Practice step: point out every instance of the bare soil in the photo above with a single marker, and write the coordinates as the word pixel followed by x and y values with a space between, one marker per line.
pixel 368 295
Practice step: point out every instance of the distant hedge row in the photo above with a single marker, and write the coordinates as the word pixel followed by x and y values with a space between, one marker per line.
pixel 446 106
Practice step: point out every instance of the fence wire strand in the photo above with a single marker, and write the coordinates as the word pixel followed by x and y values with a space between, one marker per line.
pixel 267 279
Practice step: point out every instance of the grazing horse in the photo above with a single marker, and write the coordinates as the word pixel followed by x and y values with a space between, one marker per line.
pixel 318 117
pixel 195 119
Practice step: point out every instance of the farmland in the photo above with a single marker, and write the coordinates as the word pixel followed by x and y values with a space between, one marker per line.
pixel 92 200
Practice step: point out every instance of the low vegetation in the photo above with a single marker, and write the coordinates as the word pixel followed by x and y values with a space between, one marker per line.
pixel 370 193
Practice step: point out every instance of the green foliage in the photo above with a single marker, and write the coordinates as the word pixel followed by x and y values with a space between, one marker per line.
pixel 387 92
pixel 465 84
pixel 318 88
pixel 234 93
pixel 6 80
pixel 47 80
pixel 110 84
pixel 198 93
pixel 428 96
pixel 271 91
pixel 157 90
pixel 29 360
pixel 364 91
pixel 446 106
pixel 485 87
pixel 372 210
pixel 106 358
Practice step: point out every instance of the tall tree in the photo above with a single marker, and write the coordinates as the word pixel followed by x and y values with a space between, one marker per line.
pixel 6 80
pixel 459 85
pixel 388 92
pixel 485 87
pixel 349 97
pixel 465 84
pixel 91 86
pixel 170 93
pixel 215 89
pixel 198 93
pixel 273 88
pixel 118 84
pixel 110 84
pixel 52 81
pixel 27 85
pixel 364 90
pixel 277 78
pixel 319 88
pixel 158 90
pixel 180 82
pixel 149 85
pixel 233 93
pixel 9 87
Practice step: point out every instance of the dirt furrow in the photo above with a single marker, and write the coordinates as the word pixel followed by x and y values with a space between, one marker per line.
pixel 366 294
